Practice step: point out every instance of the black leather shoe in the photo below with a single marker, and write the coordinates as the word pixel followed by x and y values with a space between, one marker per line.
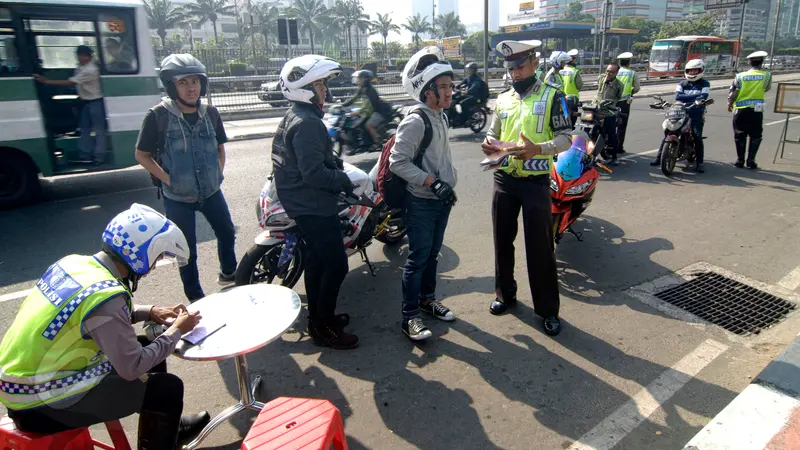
pixel 497 307
pixel 342 320
pixel 552 326
pixel 739 164
pixel 752 164
pixel 699 168
pixel 655 162
pixel 191 426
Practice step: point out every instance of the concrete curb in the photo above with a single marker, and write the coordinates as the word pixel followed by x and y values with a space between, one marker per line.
pixel 765 415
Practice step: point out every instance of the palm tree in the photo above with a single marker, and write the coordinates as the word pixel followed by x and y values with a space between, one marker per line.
pixel 417 25
pixel 310 14
pixel 449 25
pixel 384 26
pixel 162 15
pixel 267 17
pixel 209 10
pixel 343 20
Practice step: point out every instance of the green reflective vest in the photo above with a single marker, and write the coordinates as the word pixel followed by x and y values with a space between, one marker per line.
pixel 568 74
pixel 626 76
pixel 531 117
pixel 752 88
pixel 44 356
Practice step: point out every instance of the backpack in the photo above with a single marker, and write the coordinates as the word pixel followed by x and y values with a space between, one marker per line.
pixel 391 187
pixel 162 122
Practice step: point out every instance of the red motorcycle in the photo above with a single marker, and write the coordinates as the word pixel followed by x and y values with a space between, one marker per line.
pixel 573 180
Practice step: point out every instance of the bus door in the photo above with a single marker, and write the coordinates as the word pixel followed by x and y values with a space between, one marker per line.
pixel 52 36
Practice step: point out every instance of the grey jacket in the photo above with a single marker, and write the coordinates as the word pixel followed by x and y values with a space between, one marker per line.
pixel 437 162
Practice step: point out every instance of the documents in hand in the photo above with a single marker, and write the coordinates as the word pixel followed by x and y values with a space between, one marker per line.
pixel 213 319
pixel 494 160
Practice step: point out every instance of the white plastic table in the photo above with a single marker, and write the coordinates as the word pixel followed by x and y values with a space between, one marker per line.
pixel 254 316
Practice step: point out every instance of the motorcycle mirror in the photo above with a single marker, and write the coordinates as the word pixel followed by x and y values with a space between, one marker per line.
pixel 710 101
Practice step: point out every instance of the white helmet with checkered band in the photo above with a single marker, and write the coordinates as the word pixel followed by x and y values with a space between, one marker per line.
pixel 298 74
pixel 422 69
pixel 140 236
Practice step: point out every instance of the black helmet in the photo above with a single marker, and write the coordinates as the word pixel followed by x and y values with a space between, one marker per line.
pixel 471 65
pixel 181 65
pixel 363 74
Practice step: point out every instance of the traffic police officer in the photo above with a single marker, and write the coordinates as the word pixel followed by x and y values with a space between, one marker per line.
pixel 746 100
pixel 630 82
pixel 573 83
pixel 534 116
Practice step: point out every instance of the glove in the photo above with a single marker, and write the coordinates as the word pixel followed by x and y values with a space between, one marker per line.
pixel 339 162
pixel 444 192
pixel 347 188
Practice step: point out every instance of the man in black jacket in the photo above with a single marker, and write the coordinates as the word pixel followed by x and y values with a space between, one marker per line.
pixel 373 109
pixel 472 90
pixel 309 178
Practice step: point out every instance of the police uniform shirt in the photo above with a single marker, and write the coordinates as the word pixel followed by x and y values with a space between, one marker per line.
pixel 559 122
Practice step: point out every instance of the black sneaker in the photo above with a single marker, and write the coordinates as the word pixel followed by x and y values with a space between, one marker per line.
pixel 191 426
pixel 224 279
pixel 752 165
pixel 437 309
pixel 739 164
pixel 416 330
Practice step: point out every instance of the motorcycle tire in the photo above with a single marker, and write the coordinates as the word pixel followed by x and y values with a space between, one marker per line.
pixel 478 121
pixel 252 269
pixel 669 157
pixel 390 237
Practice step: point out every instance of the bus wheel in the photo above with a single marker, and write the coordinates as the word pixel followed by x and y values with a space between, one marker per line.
pixel 19 180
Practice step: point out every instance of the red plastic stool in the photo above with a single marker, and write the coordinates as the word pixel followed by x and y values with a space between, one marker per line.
pixel 297 423
pixel 13 439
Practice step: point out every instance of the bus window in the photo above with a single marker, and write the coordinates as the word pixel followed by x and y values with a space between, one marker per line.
pixel 58 52
pixel 9 58
pixel 118 42
pixel 62 26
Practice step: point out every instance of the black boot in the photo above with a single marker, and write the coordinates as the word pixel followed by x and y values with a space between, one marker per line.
pixel 740 150
pixel 657 160
pixel 157 431
pixel 191 426
pixel 751 154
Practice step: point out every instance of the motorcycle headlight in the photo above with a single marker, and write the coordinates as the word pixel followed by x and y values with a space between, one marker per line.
pixel 278 219
pixel 672 126
pixel 579 189
pixel 553 185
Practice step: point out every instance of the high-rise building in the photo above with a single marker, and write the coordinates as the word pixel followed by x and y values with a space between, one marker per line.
pixel 788 20
pixel 756 17
pixel 446 7
pixel 660 10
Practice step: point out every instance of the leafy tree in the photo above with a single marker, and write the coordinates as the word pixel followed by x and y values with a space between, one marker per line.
pixel 575 13
pixel 449 25
pixel 161 15
pixel 704 25
pixel 417 25
pixel 310 14
pixel 209 10
pixel 384 26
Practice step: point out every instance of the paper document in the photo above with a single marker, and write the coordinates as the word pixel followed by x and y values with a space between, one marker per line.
pixel 206 327
pixel 493 160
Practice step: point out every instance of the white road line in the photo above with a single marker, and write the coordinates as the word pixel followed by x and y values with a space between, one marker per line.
pixel 780 121
pixel 792 280
pixel 649 152
pixel 14 295
pixel 624 420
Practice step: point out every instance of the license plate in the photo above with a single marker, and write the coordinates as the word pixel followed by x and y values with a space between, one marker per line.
pixel 676 114
pixel 587 117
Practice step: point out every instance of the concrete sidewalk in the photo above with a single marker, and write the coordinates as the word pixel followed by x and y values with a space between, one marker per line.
pixel 238 130
pixel 766 415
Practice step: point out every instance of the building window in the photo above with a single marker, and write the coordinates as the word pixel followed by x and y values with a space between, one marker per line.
pixel 228 28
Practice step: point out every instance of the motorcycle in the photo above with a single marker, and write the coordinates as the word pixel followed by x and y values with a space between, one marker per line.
pixel 278 253
pixel 349 129
pixel 592 124
pixel 678 143
pixel 476 120
pixel 573 180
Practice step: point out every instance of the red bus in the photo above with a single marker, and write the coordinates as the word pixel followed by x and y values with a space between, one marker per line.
pixel 669 56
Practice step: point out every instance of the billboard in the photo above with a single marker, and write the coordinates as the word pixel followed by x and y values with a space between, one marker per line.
pixel 451 46
pixel 527 6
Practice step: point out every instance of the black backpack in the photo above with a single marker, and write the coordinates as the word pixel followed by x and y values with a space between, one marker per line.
pixel 391 187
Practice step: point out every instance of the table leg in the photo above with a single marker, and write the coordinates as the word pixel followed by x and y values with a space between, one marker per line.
pixel 247 394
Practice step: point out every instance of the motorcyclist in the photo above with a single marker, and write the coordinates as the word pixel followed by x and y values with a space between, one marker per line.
pixel 558 61
pixel 473 89
pixel 374 110
pixel 309 178
pixel 693 88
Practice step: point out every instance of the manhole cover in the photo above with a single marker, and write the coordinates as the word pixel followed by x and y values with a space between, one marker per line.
pixel 735 306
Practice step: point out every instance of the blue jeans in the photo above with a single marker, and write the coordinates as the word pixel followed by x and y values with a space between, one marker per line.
pixel 426 220
pixel 93 117
pixel 215 210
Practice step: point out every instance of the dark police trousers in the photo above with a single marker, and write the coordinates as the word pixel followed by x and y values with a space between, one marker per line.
pixel 747 122
pixel 625 107
pixel 532 195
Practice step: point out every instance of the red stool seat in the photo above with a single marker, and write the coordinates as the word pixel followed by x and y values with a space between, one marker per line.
pixel 12 438
pixel 297 423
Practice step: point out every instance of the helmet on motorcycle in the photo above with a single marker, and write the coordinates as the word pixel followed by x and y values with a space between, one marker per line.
pixel 694 70
pixel 471 66
pixel 365 75
pixel 177 66
pixel 422 70
pixel 298 74
pixel 559 59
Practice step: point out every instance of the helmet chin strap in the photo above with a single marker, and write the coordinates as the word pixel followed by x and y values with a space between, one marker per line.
pixel 187 104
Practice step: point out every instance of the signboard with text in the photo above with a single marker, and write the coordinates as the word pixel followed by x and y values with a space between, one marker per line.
pixel 527 6
pixel 451 46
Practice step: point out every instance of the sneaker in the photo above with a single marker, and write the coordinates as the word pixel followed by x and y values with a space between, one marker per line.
pixel 333 337
pixel 224 279
pixel 416 330
pixel 437 309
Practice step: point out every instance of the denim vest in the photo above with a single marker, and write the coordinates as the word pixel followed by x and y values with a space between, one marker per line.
pixel 192 160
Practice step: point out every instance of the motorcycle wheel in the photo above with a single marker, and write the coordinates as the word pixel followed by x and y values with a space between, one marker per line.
pixel 391 236
pixel 478 121
pixel 669 157
pixel 257 265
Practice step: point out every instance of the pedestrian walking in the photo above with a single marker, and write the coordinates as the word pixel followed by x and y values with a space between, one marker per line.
pixel 746 101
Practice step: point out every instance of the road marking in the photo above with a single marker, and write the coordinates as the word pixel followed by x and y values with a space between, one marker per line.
pixel 780 121
pixel 792 280
pixel 629 157
pixel 624 420
pixel 14 295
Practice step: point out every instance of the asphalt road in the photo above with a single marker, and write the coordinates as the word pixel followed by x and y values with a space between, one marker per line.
pixel 612 379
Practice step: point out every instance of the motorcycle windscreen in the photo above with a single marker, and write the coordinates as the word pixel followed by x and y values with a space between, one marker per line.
pixel 570 164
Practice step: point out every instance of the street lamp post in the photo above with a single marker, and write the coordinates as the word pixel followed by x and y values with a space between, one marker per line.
pixel 741 34
pixel 486 41
pixel 774 36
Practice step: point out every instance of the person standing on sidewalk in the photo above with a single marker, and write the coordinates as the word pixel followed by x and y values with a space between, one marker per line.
pixel 746 101
pixel 182 145
pixel 86 80
pixel 535 116
pixel 309 179
pixel 428 78
pixel 631 86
